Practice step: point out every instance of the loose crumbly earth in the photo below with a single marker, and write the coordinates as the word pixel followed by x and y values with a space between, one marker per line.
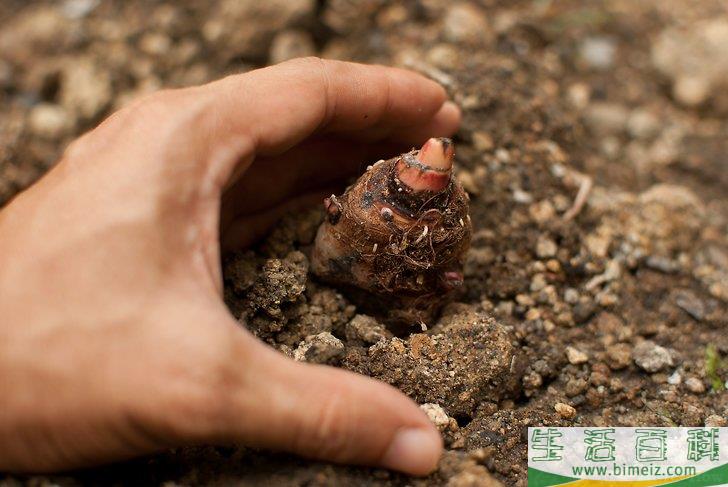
pixel 617 315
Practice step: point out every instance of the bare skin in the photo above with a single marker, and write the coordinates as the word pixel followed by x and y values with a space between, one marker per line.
pixel 114 340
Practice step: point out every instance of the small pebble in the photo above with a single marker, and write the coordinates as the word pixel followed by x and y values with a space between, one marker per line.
pixel 662 264
pixel 642 124
pixel 548 326
pixel 49 121
pixel 579 95
pixel 482 454
pixel 691 304
pixel 651 357
pixel 576 356
pixel 584 310
pixel 532 380
pixel 533 314
pixel 155 44
pixel 542 211
pixel 503 155
pixel 77 9
pixel 675 378
pixel 571 295
pixel 473 181
pixel 538 282
pixel 598 52
pixel 523 197
pixel 545 247
pixel 319 349
pixel 597 245
pixel 86 87
pixel 466 23
pixel 606 118
pixel 575 387
pixel 439 417
pixel 444 56
pixel 695 385
pixel 525 300
pixel 365 330
pixel 483 141
pixel 564 410
pixel 618 356
pixel 691 91
pixel 693 57
pixel 716 421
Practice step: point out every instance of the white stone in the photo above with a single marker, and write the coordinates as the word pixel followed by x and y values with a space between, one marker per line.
pixel 49 121
pixel 576 356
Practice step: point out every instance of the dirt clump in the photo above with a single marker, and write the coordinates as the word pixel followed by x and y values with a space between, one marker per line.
pixel 460 364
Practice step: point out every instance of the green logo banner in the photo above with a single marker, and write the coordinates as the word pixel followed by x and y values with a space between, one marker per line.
pixel 611 456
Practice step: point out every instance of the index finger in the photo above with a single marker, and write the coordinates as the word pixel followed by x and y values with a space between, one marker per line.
pixel 280 106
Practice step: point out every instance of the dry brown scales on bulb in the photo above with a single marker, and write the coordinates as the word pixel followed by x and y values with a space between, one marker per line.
pixel 396 239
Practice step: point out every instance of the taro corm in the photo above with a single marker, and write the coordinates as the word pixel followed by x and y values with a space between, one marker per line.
pixel 396 239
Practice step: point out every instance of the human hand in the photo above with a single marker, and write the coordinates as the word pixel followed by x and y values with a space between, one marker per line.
pixel 114 340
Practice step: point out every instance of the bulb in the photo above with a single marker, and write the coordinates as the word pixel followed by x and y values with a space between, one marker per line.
pixel 395 241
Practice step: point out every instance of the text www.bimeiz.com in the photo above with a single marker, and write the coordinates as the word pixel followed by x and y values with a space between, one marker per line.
pixel 625 470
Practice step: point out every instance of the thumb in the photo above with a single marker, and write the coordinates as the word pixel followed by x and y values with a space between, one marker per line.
pixel 330 414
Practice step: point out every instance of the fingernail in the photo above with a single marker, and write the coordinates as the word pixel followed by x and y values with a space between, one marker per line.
pixel 453 108
pixel 451 117
pixel 414 450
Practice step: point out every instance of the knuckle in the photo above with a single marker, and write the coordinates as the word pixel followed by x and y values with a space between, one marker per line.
pixel 135 116
pixel 154 105
pixel 308 62
pixel 322 73
pixel 315 66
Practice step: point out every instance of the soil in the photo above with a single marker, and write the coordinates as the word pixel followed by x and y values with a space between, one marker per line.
pixel 614 314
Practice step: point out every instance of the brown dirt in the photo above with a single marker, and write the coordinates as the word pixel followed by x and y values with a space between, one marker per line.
pixel 614 312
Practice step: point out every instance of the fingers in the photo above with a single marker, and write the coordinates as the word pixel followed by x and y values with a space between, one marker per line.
pixel 325 160
pixel 215 131
pixel 317 162
pixel 325 413
pixel 444 124
pixel 279 106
